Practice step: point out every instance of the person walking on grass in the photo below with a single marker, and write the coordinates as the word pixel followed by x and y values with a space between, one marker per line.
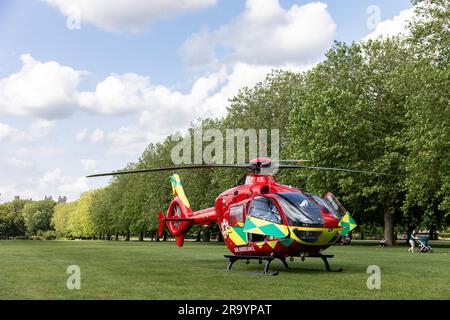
pixel 412 241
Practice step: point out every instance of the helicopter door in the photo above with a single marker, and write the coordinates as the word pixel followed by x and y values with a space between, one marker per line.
pixel 236 220
pixel 339 209
pixel 264 220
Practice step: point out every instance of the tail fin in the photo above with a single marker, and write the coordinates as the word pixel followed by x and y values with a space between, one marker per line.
pixel 178 190
pixel 178 217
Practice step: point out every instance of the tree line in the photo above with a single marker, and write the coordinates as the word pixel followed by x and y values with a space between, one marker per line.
pixel 380 105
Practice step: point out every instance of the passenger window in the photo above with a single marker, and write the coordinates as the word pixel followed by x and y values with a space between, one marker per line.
pixel 264 208
pixel 236 216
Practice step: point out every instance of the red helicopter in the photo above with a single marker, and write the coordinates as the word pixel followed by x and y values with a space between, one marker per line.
pixel 261 219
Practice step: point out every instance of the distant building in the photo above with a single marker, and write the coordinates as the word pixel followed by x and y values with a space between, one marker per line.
pixel 48 198
pixel 62 199
pixel 16 197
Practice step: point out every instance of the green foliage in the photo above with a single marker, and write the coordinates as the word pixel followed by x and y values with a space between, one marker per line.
pixel 38 215
pixel 80 223
pixel 428 132
pixel 60 220
pixel 12 222
pixel 46 235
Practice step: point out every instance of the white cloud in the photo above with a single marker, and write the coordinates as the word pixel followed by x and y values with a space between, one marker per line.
pixel 398 25
pixel 168 110
pixel 55 181
pixel 7 132
pixel 128 140
pixel 37 130
pixel 46 90
pixel 267 34
pixel 161 109
pixel 50 183
pixel 97 135
pixel 20 164
pixel 38 152
pixel 41 127
pixel 88 164
pixel 128 15
pixel 81 135
pixel 116 95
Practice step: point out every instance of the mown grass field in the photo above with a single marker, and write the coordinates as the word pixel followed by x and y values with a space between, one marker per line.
pixel 134 270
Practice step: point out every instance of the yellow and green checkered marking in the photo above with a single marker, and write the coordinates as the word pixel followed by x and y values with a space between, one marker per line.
pixel 347 223
pixel 267 228
pixel 237 235
pixel 285 235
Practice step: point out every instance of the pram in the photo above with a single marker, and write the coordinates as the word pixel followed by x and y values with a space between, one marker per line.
pixel 423 245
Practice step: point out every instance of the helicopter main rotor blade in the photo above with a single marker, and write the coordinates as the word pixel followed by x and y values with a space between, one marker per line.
pixel 288 166
pixel 206 166
pixel 293 160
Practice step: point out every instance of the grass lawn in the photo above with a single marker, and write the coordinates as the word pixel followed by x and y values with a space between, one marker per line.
pixel 136 270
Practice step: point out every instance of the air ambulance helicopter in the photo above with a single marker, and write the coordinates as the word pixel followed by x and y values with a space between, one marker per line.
pixel 261 219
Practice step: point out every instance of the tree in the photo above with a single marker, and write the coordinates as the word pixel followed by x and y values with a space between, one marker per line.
pixel 101 212
pixel 38 216
pixel 428 131
pixel 12 222
pixel 351 117
pixel 61 217
pixel 80 223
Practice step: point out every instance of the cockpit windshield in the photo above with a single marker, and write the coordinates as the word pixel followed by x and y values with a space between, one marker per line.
pixel 300 210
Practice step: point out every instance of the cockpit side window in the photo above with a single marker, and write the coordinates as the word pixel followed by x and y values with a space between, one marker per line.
pixel 264 208
pixel 236 216
pixel 337 206
pixel 324 204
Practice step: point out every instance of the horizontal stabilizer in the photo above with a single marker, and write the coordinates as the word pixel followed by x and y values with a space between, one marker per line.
pixel 161 223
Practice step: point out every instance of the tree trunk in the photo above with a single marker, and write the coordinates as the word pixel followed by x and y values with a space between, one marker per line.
pixel 141 236
pixel 206 234
pixel 198 236
pixel 389 235
pixel 156 236
pixel 108 236
pixel 117 236
pixel 165 236
pixel 127 236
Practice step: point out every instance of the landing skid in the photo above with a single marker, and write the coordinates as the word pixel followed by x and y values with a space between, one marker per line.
pixel 268 260
pixel 325 258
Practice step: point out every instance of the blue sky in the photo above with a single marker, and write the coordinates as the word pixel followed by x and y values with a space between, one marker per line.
pixel 77 101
